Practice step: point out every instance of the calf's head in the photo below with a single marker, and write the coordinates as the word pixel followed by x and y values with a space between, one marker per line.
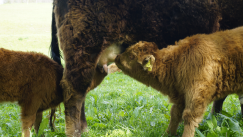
pixel 137 59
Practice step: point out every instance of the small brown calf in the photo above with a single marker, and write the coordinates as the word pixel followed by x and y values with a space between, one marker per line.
pixel 192 73
pixel 32 79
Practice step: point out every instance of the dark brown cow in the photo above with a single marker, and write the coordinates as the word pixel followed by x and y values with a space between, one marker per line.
pixel 86 27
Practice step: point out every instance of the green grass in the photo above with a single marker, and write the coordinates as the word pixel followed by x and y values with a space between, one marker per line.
pixel 120 106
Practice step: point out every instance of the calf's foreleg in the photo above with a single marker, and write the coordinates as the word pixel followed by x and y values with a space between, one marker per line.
pixel 196 102
pixel 176 117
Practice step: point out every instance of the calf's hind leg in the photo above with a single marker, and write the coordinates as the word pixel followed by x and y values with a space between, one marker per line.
pixel 84 127
pixel 38 121
pixel 241 104
pixel 27 123
pixel 28 114
pixel 52 119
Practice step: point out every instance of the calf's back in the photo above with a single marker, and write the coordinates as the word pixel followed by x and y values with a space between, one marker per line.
pixel 28 76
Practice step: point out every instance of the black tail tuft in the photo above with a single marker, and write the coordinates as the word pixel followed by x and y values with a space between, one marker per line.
pixel 55 52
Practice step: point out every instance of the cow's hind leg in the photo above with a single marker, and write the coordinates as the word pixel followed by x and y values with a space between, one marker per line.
pixel 217 106
pixel 176 117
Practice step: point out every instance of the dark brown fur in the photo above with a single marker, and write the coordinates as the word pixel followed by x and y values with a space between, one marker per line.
pixel 86 27
pixel 194 72
pixel 231 11
pixel 33 80
pixel 97 79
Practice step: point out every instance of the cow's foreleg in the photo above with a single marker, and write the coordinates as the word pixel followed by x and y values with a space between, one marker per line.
pixel 75 84
pixel 73 104
pixel 80 55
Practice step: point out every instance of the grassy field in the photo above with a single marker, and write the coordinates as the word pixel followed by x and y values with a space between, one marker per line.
pixel 119 107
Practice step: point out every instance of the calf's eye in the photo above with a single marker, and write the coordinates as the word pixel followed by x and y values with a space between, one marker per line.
pixel 131 57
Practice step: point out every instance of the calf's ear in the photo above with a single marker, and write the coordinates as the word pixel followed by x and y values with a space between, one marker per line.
pixel 148 62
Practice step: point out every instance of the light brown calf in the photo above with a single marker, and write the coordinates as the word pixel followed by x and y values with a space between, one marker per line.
pixel 194 72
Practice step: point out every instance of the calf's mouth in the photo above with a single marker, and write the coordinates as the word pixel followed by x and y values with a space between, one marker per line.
pixel 117 61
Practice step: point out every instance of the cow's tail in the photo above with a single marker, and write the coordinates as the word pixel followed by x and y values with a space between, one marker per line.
pixel 55 55
pixel 54 48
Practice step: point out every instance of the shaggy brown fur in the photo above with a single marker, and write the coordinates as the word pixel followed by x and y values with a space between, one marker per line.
pixel 33 80
pixel 86 27
pixel 232 17
pixel 112 68
pixel 194 72
pixel 97 79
